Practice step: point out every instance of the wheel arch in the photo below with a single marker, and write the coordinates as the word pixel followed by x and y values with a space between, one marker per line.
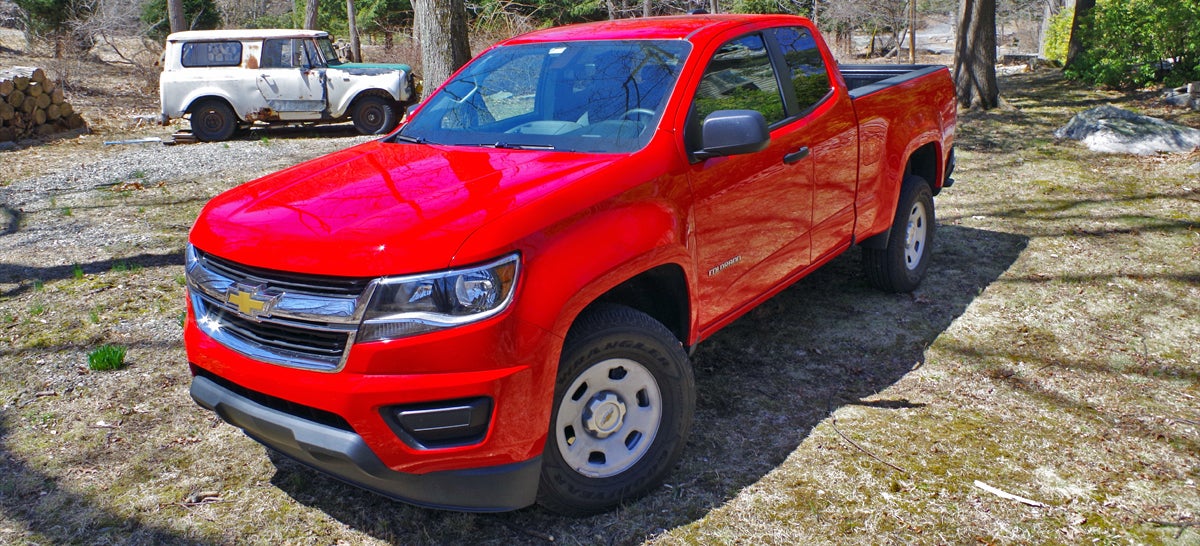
pixel 350 101
pixel 219 97
pixel 923 162
pixel 661 293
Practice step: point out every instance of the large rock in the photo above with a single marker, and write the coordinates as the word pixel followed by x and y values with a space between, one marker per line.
pixel 1112 130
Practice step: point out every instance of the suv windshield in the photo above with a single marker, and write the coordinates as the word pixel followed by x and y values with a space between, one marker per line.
pixel 589 96
pixel 328 51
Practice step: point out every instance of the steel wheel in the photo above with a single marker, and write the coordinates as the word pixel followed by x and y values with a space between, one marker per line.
pixel 609 418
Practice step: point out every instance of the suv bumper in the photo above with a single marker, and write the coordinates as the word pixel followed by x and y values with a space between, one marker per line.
pixel 344 455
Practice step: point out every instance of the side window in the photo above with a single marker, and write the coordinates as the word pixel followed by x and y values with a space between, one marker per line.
pixel 740 77
pixel 201 54
pixel 280 53
pixel 810 79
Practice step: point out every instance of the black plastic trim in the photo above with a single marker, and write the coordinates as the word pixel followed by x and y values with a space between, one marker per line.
pixel 345 456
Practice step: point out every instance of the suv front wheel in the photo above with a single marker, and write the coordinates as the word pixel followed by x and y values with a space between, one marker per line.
pixel 373 115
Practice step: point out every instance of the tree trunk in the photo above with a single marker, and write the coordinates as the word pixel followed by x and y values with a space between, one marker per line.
pixel 175 15
pixel 912 31
pixel 310 14
pixel 355 44
pixel 645 8
pixel 975 55
pixel 1075 45
pixel 442 32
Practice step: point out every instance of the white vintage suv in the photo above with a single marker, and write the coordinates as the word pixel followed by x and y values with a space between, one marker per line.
pixel 223 79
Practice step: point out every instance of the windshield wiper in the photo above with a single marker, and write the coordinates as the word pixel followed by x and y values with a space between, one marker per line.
pixel 513 146
pixel 410 139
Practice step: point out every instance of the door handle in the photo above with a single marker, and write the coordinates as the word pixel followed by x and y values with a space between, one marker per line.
pixel 796 156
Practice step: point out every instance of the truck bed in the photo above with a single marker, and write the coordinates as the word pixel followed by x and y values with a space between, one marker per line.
pixel 864 79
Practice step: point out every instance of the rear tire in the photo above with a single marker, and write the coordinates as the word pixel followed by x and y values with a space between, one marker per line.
pixel 212 120
pixel 374 115
pixel 623 408
pixel 901 265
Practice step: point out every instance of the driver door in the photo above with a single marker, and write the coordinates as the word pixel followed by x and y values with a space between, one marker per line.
pixel 290 80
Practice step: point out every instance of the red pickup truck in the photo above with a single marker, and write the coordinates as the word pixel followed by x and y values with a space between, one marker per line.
pixel 494 305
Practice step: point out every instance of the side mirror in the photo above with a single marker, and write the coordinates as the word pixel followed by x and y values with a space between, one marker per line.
pixel 732 132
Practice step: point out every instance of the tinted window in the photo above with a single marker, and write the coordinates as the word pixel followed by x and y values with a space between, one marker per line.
pixel 197 54
pixel 810 80
pixel 740 77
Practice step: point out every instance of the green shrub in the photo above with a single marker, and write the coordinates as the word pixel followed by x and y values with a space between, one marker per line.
pixel 1132 43
pixel 107 357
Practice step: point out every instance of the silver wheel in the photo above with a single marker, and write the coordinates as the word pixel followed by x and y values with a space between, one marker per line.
pixel 609 418
pixel 914 240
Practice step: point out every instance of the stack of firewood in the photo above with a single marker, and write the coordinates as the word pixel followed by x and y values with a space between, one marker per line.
pixel 31 105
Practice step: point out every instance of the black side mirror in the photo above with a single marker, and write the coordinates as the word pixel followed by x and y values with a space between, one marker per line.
pixel 732 132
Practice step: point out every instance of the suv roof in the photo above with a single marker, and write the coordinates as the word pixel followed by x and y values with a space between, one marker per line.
pixel 244 34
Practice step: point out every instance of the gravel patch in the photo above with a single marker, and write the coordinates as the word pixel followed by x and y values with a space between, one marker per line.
pixel 96 206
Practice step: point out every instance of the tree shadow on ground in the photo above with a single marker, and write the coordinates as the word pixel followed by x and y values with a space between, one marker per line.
pixel 25 276
pixel 763 383
pixel 27 495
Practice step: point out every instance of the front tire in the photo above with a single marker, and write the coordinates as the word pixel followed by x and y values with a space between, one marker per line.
pixel 212 121
pixel 623 408
pixel 374 115
pixel 901 265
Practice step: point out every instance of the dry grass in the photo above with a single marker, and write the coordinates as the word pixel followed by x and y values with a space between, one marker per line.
pixel 1052 353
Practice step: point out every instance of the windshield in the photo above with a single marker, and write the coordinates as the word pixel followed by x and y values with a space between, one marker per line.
pixel 601 96
pixel 328 51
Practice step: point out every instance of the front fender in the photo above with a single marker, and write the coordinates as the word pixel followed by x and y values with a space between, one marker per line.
pixel 347 85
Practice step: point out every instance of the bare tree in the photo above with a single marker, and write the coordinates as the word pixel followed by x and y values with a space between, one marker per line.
pixel 442 32
pixel 310 14
pixel 975 55
pixel 355 44
pixel 175 15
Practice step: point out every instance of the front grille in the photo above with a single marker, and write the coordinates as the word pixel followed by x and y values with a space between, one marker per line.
pixel 291 337
pixel 318 285
pixel 310 322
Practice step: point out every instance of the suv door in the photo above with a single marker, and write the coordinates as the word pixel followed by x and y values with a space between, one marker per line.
pixel 292 78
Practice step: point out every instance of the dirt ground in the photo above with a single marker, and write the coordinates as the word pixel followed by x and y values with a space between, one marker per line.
pixel 1052 355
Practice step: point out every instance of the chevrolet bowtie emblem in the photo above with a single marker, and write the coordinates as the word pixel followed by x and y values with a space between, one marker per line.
pixel 251 301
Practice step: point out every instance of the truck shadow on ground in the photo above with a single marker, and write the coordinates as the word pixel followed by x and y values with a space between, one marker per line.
pixel 763 384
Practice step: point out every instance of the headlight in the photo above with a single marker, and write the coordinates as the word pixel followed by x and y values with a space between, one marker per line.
pixel 416 304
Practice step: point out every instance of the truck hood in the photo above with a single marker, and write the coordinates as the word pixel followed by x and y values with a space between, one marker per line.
pixel 379 208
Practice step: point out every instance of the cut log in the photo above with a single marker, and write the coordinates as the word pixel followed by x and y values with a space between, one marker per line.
pixel 28 105
pixel 7 134
pixel 66 109
pixel 42 101
pixel 57 96
pixel 6 87
pixel 15 98
pixel 6 111
pixel 53 112
pixel 34 89
pixel 39 117
pixel 28 73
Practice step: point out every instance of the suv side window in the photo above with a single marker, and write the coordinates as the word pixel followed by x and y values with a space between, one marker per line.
pixel 810 79
pixel 204 54
pixel 284 53
pixel 740 77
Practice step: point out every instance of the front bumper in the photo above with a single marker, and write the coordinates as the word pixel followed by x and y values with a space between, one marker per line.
pixel 345 455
